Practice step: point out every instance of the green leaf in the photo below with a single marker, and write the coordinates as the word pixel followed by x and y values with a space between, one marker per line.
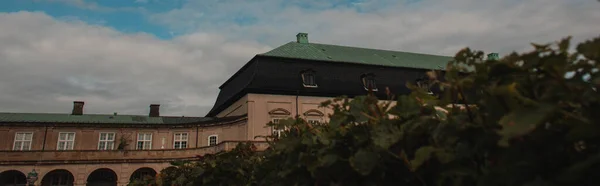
pixel 328 160
pixel 386 134
pixel 364 161
pixel 522 121
pixel 422 155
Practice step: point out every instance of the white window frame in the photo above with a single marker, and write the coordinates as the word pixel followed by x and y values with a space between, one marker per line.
pixel 314 78
pixel 106 141
pixel 66 141
pixel 216 139
pixel 276 131
pixel 314 120
pixel 175 140
pixel 144 141
pixel 23 141
pixel 365 80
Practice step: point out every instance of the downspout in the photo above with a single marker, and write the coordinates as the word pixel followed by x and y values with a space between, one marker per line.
pixel 45 135
pixel 297 93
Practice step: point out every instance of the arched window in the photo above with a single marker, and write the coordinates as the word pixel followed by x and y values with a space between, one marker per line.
pixel 309 78
pixel 368 81
pixel 213 140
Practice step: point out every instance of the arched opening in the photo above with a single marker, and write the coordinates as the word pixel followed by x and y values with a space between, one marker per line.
pixel 102 177
pixel 59 177
pixel 13 178
pixel 143 175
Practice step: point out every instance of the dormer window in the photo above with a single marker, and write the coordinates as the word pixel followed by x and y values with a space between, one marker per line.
pixel 424 84
pixel 308 79
pixel 368 81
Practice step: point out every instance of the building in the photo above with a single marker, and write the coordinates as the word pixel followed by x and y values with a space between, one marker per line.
pixel 88 149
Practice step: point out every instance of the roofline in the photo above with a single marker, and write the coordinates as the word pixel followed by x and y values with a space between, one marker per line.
pixel 219 121
pixel 387 50
pixel 345 62
pixel 239 71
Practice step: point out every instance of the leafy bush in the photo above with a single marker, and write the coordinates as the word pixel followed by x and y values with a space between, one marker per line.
pixel 524 120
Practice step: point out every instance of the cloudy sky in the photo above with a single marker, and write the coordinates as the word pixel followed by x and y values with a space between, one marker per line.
pixel 122 55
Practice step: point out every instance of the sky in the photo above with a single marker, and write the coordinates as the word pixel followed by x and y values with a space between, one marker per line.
pixel 123 55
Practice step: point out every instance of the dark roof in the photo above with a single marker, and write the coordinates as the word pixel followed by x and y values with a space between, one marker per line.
pixel 277 71
pixel 282 76
pixel 346 54
pixel 105 119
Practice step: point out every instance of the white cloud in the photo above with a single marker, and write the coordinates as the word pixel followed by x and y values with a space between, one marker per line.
pixel 428 26
pixel 46 63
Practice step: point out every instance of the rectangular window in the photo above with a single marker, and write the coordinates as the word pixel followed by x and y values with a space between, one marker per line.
pixel 212 140
pixel 276 132
pixel 66 141
pixel 23 141
pixel 144 141
pixel 308 79
pixel 106 141
pixel 180 140
pixel 313 121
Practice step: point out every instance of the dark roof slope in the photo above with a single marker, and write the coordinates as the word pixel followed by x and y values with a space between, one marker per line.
pixel 346 54
pixel 105 119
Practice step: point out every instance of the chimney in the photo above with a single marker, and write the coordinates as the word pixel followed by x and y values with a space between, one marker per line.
pixel 302 37
pixel 493 56
pixel 77 108
pixel 154 110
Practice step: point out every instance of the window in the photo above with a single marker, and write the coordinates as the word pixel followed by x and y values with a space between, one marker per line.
pixel 276 132
pixel 144 141
pixel 314 121
pixel 180 140
pixel 23 141
pixel 308 79
pixel 212 140
pixel 66 140
pixel 106 141
pixel 368 81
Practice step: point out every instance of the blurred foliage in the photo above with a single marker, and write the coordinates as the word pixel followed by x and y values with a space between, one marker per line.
pixel 528 119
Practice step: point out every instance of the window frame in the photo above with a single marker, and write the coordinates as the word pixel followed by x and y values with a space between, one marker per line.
pixel 304 74
pixel 22 141
pixel 175 140
pixel 318 120
pixel 144 141
pixel 66 140
pixel 278 131
pixel 365 80
pixel 105 141
pixel 216 139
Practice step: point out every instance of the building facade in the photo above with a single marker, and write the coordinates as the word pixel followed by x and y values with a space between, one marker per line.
pixel 291 80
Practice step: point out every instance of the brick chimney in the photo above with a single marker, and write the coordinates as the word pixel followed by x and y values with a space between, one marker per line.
pixel 77 108
pixel 154 110
pixel 302 37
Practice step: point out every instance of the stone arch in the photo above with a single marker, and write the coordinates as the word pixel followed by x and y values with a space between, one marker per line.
pixel 314 112
pixel 58 177
pixel 279 111
pixel 13 178
pixel 102 177
pixel 143 173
